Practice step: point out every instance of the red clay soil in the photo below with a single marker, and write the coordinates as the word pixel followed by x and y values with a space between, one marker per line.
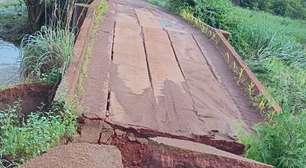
pixel 159 155
pixel 31 96
pixel 78 155
pixel 138 150
pixel 91 131
pixel 116 148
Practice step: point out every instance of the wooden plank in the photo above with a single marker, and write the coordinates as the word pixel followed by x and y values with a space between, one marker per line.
pixel 132 98
pixel 147 19
pixel 174 104
pixel 211 100
pixel 96 84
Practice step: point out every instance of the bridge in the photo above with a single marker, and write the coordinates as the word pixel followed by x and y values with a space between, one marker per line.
pixel 150 78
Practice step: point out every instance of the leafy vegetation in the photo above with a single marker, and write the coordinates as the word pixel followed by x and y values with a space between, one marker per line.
pixel 274 48
pixel 291 8
pixel 24 137
pixel 46 54
pixel 280 142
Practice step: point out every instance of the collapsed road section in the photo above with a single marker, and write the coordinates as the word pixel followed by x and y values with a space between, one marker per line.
pixel 100 145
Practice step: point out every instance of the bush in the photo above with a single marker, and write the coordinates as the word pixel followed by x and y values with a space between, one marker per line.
pixel 281 142
pixel 46 54
pixel 213 12
pixel 23 138
pixel 178 5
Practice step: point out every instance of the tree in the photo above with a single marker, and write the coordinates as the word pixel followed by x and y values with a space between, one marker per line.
pixel 50 12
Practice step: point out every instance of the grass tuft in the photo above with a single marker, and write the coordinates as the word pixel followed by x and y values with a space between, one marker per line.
pixel 46 54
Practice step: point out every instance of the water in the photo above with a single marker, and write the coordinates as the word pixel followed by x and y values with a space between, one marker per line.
pixel 9 63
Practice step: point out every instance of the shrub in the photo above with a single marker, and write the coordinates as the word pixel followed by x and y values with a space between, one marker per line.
pixel 281 142
pixel 178 5
pixel 46 54
pixel 213 12
pixel 23 138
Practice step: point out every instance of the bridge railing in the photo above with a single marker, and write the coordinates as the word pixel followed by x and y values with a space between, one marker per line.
pixel 84 18
pixel 244 76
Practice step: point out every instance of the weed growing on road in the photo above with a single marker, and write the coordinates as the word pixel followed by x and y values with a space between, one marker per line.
pixel 24 137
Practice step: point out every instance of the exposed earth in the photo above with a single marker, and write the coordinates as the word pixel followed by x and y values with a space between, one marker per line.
pixel 157 94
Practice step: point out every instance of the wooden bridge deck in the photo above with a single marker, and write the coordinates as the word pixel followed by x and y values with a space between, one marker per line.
pixel 149 69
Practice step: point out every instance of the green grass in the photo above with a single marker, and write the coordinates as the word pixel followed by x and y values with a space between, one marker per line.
pixel 280 142
pixel 290 27
pixel 24 137
pixel 46 54
pixel 273 48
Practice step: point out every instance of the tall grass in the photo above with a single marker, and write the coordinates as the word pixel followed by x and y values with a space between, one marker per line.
pixel 275 54
pixel 280 142
pixel 46 54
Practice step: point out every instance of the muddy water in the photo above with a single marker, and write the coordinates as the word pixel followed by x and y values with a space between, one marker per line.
pixel 9 63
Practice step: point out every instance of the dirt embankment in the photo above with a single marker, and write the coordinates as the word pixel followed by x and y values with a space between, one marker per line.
pixel 31 96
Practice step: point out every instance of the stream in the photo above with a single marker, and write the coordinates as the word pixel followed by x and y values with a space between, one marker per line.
pixel 9 63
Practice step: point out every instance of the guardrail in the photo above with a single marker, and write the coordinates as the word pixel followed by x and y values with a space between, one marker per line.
pixel 245 77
